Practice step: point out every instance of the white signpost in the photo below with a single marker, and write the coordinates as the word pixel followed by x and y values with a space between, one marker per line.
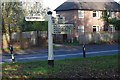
pixel 50 37
pixel 52 29
pixel 50 40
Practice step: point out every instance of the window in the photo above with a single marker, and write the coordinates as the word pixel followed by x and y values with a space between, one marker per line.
pixel 96 28
pixel 81 28
pixel 80 14
pixel 111 28
pixel 96 13
pixel 111 14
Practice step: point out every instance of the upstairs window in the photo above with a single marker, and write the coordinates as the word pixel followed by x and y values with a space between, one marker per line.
pixel 80 14
pixel 96 14
pixel 111 14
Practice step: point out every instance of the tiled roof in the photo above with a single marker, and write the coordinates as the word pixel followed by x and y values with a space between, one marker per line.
pixel 77 5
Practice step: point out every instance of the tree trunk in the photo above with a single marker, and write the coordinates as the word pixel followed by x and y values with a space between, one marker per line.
pixel 2 42
pixel 21 40
pixel 10 38
pixel 37 39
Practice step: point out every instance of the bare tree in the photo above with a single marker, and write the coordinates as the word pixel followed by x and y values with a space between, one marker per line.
pixel 12 14
pixel 35 8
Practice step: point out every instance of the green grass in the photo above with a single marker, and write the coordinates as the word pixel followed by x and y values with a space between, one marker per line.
pixel 92 67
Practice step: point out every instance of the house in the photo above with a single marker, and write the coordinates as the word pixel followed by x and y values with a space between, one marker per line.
pixel 87 16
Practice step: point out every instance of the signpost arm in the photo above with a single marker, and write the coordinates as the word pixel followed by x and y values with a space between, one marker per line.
pixel 50 40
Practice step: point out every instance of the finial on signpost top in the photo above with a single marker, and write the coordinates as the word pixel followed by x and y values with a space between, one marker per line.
pixel 49 12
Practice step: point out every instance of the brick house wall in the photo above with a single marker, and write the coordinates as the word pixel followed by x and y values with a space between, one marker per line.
pixel 88 21
pixel 91 21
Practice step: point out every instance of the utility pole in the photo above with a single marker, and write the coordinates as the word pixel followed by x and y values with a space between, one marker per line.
pixel 50 40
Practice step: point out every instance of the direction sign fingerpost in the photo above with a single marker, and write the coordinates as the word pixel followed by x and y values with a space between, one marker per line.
pixel 50 37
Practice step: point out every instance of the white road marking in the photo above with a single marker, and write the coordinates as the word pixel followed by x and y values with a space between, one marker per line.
pixel 64 55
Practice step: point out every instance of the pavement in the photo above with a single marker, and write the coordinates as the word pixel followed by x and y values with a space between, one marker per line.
pixel 63 52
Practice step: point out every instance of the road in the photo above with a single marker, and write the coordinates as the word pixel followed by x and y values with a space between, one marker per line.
pixel 64 53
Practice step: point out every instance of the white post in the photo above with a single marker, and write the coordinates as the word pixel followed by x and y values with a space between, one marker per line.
pixel 50 40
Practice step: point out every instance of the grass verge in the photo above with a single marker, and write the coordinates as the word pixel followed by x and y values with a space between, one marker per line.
pixel 91 67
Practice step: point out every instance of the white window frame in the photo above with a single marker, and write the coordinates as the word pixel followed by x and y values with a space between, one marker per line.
pixel 97 28
pixel 111 14
pixel 81 28
pixel 97 14
pixel 80 13
pixel 111 28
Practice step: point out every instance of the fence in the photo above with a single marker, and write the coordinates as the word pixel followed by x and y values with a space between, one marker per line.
pixel 35 38
pixel 99 37
pixel 29 39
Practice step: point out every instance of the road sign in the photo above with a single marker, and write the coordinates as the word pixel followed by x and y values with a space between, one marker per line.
pixel 62 28
pixel 35 18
